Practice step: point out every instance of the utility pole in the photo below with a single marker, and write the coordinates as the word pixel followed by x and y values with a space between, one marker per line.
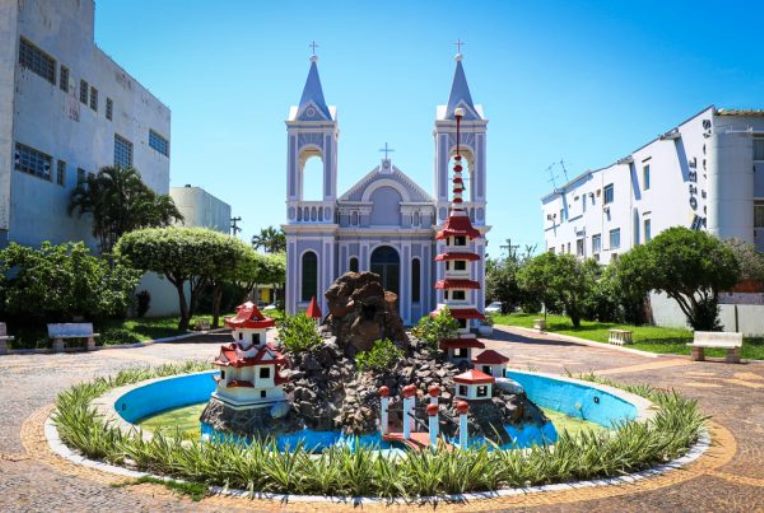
pixel 235 229
pixel 511 249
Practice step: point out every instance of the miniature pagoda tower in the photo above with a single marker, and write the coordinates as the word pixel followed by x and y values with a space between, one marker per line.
pixel 250 367
pixel 459 259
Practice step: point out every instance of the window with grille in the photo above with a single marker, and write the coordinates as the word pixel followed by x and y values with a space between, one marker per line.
pixel 63 79
pixel 37 61
pixel 94 98
pixel 109 109
pixel 123 152
pixel 61 172
pixel 84 92
pixel 33 162
pixel 159 143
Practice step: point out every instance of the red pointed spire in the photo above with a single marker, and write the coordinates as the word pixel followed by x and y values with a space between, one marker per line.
pixel 313 311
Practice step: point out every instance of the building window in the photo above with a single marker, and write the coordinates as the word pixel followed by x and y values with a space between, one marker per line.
pixel 609 193
pixel 580 247
pixel 256 339
pixel 615 238
pixel 109 109
pixel 265 372
pixel 37 61
pixel 222 374
pixel 482 391
pixel 83 91
pixel 353 265
pixel 458 295
pixel 263 394
pixel 460 241
pixel 309 276
pixel 416 278
pixel 61 172
pixel 460 352
pixel 123 152
pixel 63 79
pixel 562 214
pixel 463 390
pixel 758 148
pixel 487 369
pixel 460 265
pixel 646 177
pixel 94 98
pixel 33 162
pixel 81 175
pixel 159 143
pixel 648 230
pixel 758 214
pixel 568 248
pixel 596 243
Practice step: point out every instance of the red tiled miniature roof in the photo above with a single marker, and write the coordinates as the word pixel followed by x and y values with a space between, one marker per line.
pixel 248 316
pixel 230 357
pixel 490 357
pixel 450 283
pixel 466 313
pixel 473 376
pixel 458 226
pixel 240 383
pixel 313 311
pixel 457 256
pixel 461 343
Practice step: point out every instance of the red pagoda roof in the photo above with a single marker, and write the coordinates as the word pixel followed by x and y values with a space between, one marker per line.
pixel 313 311
pixel 458 226
pixel 461 343
pixel 490 357
pixel 450 283
pixel 457 256
pixel 473 376
pixel 249 316
pixel 466 313
pixel 230 357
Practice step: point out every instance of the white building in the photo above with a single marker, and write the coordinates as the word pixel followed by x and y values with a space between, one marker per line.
pixel 200 208
pixel 66 110
pixel 705 173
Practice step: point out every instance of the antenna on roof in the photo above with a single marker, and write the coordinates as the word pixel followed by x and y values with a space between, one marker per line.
pixel 552 175
pixel 564 170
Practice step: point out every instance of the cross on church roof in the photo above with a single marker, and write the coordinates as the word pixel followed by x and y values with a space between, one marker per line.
pixel 387 150
pixel 459 43
pixel 313 45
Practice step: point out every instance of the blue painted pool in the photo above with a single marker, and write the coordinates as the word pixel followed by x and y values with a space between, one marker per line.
pixel 573 399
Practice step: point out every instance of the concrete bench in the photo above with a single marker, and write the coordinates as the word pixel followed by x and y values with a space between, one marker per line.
pixel 4 338
pixel 619 337
pixel 59 332
pixel 732 342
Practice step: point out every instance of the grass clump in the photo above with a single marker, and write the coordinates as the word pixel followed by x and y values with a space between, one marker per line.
pixel 298 333
pixel 360 471
pixel 433 329
pixel 382 356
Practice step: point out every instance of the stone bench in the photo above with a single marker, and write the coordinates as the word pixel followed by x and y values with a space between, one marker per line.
pixel 4 338
pixel 619 337
pixel 732 342
pixel 60 331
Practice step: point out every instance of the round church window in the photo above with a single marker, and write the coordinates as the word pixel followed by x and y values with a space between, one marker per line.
pixel 310 111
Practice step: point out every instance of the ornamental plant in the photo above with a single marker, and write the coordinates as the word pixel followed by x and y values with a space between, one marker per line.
pixel 383 355
pixel 433 329
pixel 298 333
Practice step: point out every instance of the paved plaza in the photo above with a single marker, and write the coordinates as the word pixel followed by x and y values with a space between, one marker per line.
pixel 728 478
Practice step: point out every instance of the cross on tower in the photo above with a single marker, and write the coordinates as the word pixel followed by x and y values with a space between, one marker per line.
pixel 459 43
pixel 387 150
pixel 313 45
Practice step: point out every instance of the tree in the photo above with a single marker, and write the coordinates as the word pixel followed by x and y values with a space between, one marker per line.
pixel 691 267
pixel 751 261
pixel 559 278
pixel 195 257
pixel 61 282
pixel 631 282
pixel 270 239
pixel 120 202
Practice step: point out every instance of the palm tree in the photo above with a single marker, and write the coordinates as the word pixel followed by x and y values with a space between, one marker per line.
pixel 270 240
pixel 120 202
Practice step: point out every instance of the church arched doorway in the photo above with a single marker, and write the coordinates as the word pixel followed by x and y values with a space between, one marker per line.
pixel 386 263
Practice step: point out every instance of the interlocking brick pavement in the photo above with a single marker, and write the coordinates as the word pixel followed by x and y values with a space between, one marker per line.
pixel 729 479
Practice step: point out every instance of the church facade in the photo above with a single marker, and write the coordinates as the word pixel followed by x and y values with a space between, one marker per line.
pixel 385 223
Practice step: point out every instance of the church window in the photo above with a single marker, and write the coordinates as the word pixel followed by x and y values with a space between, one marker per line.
pixel 354 219
pixel 309 276
pixel 416 289
pixel 354 265
pixel 417 219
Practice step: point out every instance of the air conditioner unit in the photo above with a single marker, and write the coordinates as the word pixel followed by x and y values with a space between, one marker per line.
pixel 549 217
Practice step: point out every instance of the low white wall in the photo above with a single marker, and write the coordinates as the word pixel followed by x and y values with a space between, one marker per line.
pixel 164 296
pixel 747 319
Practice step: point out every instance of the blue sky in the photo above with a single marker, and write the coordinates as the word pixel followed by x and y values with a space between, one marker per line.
pixel 582 81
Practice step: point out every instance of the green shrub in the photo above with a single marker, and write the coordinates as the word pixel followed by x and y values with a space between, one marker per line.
pixel 382 355
pixel 298 333
pixel 434 329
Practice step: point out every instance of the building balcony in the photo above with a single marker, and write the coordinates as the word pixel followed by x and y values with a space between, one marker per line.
pixel 311 212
